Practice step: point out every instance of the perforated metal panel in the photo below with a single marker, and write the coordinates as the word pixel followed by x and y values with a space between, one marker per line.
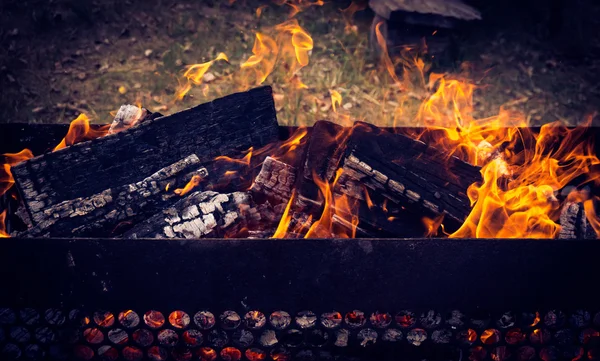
pixel 60 334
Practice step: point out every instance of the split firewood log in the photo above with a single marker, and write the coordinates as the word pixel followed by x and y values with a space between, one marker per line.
pixel 199 215
pixel 574 223
pixel 99 214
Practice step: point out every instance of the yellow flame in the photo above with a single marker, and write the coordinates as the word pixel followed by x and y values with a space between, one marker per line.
pixel 336 99
pixel 193 183
pixel 195 73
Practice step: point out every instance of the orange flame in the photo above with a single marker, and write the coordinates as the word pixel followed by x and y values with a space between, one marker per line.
pixel 3 233
pixel 193 183
pixel 286 218
pixel 265 51
pixel 433 225
pixel 6 177
pixel 348 14
pixel 80 130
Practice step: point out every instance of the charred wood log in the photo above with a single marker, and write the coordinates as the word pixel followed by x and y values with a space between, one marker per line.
pixel 101 213
pixel 201 214
pixel 321 159
pixel 574 223
pixel 222 127
pixel 408 172
pixel 274 182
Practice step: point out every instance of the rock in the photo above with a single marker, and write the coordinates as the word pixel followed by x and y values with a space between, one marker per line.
pixel 148 52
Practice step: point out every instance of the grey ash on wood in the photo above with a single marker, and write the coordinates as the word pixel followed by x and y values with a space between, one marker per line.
pixel 101 213
pixel 224 126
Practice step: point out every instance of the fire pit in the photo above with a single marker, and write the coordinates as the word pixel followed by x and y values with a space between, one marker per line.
pixel 258 299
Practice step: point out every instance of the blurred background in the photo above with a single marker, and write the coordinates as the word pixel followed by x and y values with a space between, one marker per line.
pixel 60 58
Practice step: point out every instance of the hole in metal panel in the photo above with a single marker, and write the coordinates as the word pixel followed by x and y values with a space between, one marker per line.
pixel 129 319
pixel 181 353
pixel 179 319
pixel 281 354
pixel 34 352
pixel 255 354
pixel 218 338
pixel 416 336
pixel 530 319
pixel 564 337
pixel 243 338
pixel 268 338
pixel 466 337
pixel 78 318
pixel 104 318
pixel 54 317
pixel 230 320
pixel 549 353
pixel 317 338
pixel 167 337
pixel 82 352
pixel 481 321
pixel 306 319
pixel 540 336
pixel 10 351
pixel 441 336
pixel 341 337
pixel 490 336
pixel 292 338
pixel 405 319
pixel 392 335
pixel 367 337
pixel 554 319
pixel 7 316
pixel 154 319
pixel 118 336
pixel 192 338
pixel 132 353
pixel 280 320
pixel 204 320
pixel 230 354
pixel 580 318
pixel 500 353
pixel 206 354
pixel 93 335
pixel 157 353
pixel 430 319
pixel 331 319
pixel 477 353
pixel 20 334
pixel 515 336
pixel 143 337
pixel 108 353
pixel 589 335
pixel 380 319
pixel 455 319
pixel 507 320
pixel 525 353
pixel 355 319
pixel 255 320
pixel 45 335
pixel 29 316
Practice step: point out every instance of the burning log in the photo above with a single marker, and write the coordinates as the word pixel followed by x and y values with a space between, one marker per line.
pixel 574 223
pixel 222 127
pixel 275 181
pixel 201 214
pixel 100 213
pixel 408 172
pixel 321 159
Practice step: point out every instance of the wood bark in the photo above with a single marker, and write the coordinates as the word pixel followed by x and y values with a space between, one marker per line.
pixel 201 214
pixel 101 214
pixel 574 223
pixel 224 126
pixel 408 172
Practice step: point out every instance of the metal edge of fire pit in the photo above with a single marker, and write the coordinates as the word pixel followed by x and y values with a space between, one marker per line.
pixel 490 275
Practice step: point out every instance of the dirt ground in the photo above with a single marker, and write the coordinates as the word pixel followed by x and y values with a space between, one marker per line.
pixel 72 57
